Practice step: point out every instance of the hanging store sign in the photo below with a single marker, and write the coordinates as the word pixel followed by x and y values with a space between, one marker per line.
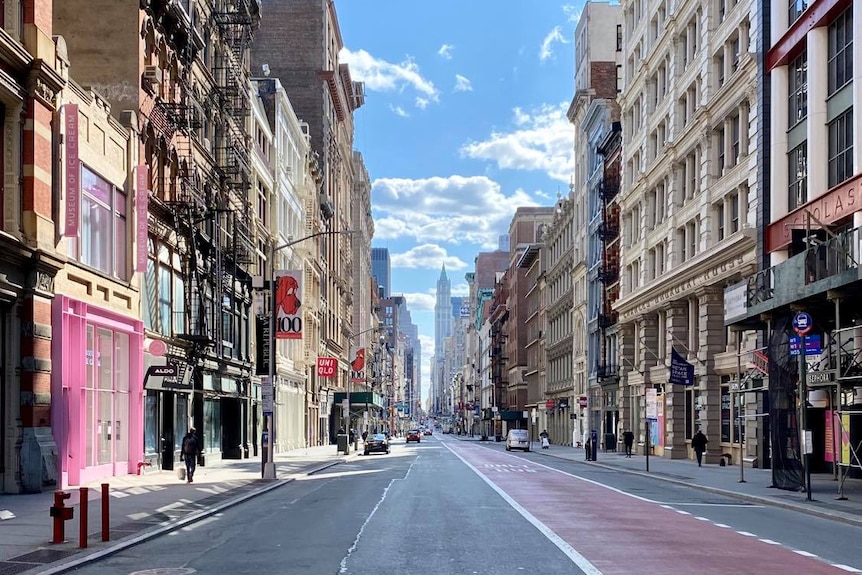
pixel 327 366
pixel 288 305
pixel 357 364
pixel 681 371
pixel 142 175
pixel 263 345
pixel 73 171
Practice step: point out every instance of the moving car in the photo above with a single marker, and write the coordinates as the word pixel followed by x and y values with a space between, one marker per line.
pixel 413 435
pixel 377 443
pixel 427 432
pixel 517 439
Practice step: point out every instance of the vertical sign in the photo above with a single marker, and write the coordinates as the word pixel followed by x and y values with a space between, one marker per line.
pixel 326 366
pixel 288 312
pixel 357 364
pixel 73 171
pixel 141 207
pixel 263 345
pixel 266 396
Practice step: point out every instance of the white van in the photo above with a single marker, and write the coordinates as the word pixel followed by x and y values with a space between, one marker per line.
pixel 517 439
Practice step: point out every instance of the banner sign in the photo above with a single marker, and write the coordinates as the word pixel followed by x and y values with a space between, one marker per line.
pixel 73 171
pixel 262 348
pixel 141 207
pixel 357 364
pixel 681 371
pixel 327 366
pixel 288 305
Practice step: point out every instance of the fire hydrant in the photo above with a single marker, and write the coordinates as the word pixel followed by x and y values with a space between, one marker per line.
pixel 61 514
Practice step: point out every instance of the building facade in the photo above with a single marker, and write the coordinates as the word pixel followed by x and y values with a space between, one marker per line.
pixel 688 208
pixel 381 268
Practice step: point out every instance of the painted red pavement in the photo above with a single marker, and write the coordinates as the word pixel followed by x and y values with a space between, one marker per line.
pixel 620 534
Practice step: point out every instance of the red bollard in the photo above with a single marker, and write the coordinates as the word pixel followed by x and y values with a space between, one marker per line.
pixel 82 529
pixel 106 512
pixel 61 514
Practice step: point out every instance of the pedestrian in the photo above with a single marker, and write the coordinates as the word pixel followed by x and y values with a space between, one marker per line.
pixel 589 448
pixel 189 454
pixel 364 435
pixel 698 443
pixel 629 441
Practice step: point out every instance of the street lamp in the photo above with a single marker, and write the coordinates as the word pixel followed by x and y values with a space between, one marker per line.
pixel 269 467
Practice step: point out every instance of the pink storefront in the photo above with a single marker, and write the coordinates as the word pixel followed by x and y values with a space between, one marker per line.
pixel 97 386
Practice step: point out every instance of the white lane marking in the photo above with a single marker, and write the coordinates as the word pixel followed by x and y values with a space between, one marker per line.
pixel 722 525
pixel 746 533
pixel 770 541
pixel 804 553
pixel 702 518
pixel 343 567
pixel 847 568
pixel 743 505
pixel 681 512
pixel 578 559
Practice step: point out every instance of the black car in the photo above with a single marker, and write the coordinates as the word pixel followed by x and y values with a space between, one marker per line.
pixel 376 443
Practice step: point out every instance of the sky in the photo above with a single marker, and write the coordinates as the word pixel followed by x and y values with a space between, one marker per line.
pixel 464 121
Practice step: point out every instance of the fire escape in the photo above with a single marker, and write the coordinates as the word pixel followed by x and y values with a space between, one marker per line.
pixel 609 272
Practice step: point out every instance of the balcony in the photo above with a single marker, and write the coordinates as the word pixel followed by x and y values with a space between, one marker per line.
pixel 610 185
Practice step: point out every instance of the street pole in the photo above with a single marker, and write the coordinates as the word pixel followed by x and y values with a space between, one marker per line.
pixel 803 416
pixel 269 467
pixel 741 407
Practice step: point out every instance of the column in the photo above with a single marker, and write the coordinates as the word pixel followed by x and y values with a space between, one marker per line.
pixel 818 88
pixel 625 347
pixel 674 395
pixel 711 336
pixel 648 343
pixel 857 97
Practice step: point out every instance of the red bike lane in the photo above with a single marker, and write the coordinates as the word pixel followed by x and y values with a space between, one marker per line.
pixel 614 533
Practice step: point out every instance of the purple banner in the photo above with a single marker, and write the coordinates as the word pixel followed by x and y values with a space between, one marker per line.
pixel 141 205
pixel 73 171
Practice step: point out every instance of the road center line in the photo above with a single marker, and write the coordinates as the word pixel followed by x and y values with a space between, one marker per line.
pixel 578 559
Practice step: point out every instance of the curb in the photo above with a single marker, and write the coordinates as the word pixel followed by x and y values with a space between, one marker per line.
pixel 790 505
pixel 192 518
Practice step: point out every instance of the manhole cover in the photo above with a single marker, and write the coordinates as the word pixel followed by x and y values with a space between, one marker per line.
pixel 165 571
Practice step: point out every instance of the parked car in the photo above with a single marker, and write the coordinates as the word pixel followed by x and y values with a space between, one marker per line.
pixel 377 443
pixel 413 435
pixel 517 439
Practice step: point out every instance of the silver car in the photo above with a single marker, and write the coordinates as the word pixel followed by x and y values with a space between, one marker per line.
pixel 517 439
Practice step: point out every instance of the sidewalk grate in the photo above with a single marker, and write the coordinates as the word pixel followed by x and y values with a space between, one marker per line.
pixel 44 556
pixel 7 568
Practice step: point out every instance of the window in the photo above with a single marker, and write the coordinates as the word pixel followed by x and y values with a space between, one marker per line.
pixel 797 162
pixel 841 51
pixel 163 297
pixel 719 220
pixel 212 426
pixel 798 88
pixel 733 199
pixel 841 148
pixel 797 7
pixel 734 141
pixel 725 410
pixel 102 241
pixel 619 37
pixel 721 151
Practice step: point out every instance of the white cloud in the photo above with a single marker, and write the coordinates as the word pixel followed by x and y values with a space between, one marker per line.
pixel 554 36
pixel 419 302
pixel 573 13
pixel 446 51
pixel 540 140
pixel 384 76
pixel 462 84
pixel 421 102
pixel 399 111
pixel 462 290
pixel 455 209
pixel 427 256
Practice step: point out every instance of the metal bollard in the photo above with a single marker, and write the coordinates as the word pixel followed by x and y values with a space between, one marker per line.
pixel 82 527
pixel 106 512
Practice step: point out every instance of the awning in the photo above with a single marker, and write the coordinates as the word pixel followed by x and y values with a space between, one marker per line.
pixel 360 399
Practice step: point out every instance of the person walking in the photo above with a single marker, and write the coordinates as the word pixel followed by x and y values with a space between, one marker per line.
pixel 589 447
pixel 190 451
pixel 698 443
pixel 628 441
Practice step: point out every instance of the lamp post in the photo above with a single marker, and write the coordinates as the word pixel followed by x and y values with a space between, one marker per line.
pixel 269 467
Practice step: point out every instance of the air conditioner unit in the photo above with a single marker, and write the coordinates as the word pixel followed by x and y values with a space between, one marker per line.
pixel 153 74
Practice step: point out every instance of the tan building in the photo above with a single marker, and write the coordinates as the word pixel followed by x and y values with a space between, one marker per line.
pixel 688 208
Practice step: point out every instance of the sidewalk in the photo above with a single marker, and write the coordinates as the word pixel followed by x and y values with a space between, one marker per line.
pixel 725 481
pixel 142 506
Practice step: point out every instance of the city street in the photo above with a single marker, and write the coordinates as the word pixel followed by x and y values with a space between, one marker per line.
pixel 446 506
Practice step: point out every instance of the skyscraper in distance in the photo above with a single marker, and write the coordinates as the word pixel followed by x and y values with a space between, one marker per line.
pixel 381 269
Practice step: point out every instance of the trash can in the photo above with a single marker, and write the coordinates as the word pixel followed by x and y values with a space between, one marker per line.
pixel 343 443
pixel 594 445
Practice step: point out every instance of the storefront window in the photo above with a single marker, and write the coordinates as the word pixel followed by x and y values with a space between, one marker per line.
pixel 212 426
pixel 90 395
pixel 150 406
pixel 181 420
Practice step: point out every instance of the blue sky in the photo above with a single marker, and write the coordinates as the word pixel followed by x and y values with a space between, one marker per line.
pixel 464 121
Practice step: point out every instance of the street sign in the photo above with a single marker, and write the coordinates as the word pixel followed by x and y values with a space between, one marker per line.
pixel 820 377
pixel 802 323
pixel 812 344
pixel 266 397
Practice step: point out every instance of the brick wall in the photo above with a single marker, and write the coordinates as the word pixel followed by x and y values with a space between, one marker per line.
pixel 603 76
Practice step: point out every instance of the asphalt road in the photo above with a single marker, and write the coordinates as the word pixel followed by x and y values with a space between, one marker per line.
pixel 449 507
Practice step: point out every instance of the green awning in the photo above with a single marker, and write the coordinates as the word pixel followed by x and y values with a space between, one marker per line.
pixel 360 399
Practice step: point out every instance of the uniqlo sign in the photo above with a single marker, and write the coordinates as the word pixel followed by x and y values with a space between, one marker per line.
pixel 326 366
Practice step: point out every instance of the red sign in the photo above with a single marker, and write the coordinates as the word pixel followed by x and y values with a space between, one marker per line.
pixel 835 205
pixel 141 205
pixel 550 404
pixel 73 171
pixel 582 401
pixel 327 366
pixel 288 304
pixel 357 364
